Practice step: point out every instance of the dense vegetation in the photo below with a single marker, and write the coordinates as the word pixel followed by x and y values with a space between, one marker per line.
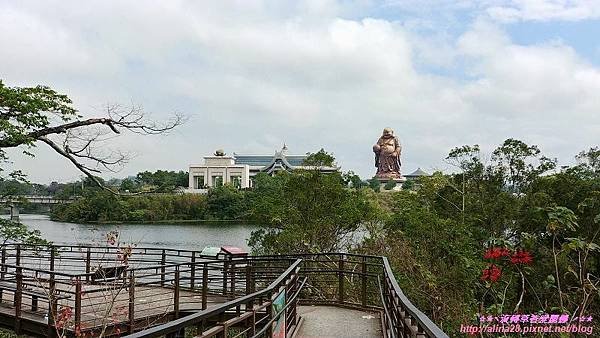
pixel 509 236
pixel 149 205
pixel 514 235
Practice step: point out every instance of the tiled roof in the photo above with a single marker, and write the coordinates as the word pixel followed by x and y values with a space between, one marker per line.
pixel 263 160
pixel 418 172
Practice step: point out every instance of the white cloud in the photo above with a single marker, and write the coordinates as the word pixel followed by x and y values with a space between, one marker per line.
pixel 252 75
pixel 545 10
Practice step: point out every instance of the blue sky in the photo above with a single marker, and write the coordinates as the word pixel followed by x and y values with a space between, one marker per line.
pixel 251 75
pixel 583 36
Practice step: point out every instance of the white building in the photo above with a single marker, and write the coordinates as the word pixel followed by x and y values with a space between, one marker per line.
pixel 239 170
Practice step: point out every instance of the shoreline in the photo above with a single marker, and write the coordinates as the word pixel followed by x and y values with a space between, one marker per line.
pixel 167 221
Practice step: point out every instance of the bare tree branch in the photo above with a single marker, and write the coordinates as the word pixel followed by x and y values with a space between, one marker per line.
pixel 82 143
pixel 81 167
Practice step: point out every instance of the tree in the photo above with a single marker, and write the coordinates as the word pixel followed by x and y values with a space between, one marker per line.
pixel 468 160
pixel 225 202
pixel 163 180
pixel 320 159
pixel 352 180
pixel 375 184
pixel 389 185
pixel 409 185
pixel 520 163
pixel 128 185
pixel 32 115
pixel 308 211
pixel 590 161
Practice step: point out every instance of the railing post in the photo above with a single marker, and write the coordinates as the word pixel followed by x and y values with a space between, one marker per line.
pixel 163 261
pixel 225 269
pixel 3 262
pixel 363 287
pixel 341 279
pixel 52 257
pixel 131 312
pixel 193 271
pixel 52 302
pixel 252 330
pixel 269 310
pixel 204 285
pixel 77 301
pixel 398 324
pixel 176 293
pixel 232 280
pixel 249 285
pixel 88 258
pixel 18 255
pixel 291 314
pixel 248 280
pixel 18 298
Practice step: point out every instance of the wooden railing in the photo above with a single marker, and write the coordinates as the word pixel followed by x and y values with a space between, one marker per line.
pixel 172 291
pixel 255 310
pixel 92 290
pixel 362 282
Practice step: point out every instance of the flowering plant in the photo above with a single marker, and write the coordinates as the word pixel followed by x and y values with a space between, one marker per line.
pixel 503 255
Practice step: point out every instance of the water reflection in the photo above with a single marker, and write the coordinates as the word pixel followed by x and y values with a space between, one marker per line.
pixel 182 236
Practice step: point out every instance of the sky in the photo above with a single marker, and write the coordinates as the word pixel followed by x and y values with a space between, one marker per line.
pixel 253 75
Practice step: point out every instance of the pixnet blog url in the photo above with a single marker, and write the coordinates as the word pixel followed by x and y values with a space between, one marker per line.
pixel 525 329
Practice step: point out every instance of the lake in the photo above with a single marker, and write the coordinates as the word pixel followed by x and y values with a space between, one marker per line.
pixel 175 236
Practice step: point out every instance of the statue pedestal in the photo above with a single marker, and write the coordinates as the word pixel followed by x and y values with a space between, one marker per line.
pixel 399 181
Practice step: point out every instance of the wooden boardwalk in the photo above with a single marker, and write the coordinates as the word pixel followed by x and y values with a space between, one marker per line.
pixel 109 308
pixel 109 291
pixel 98 289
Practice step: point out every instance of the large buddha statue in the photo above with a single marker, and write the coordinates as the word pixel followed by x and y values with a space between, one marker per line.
pixel 387 156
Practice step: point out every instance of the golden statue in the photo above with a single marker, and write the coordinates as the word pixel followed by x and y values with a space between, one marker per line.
pixel 387 156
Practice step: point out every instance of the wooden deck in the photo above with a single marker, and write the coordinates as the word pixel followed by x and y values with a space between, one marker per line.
pixel 103 307
pixel 107 291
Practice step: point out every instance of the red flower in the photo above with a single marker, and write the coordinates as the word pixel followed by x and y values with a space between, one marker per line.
pixel 521 257
pixel 63 317
pixel 496 252
pixel 491 273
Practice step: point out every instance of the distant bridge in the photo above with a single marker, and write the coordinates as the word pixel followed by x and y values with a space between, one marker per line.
pixel 14 200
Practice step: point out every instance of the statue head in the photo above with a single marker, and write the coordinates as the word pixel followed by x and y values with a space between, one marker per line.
pixel 388 132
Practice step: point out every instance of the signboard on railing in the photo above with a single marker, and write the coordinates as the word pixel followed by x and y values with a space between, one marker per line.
pixel 279 324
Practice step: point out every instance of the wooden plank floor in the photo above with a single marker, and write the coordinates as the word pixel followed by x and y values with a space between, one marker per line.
pixel 102 306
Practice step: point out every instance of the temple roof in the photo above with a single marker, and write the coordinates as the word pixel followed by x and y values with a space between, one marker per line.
pixel 418 172
pixel 265 160
pixel 276 162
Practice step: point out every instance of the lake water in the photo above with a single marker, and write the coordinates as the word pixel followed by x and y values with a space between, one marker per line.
pixel 175 236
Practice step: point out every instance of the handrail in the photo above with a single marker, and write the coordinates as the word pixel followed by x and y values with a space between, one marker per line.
pixel 426 324
pixel 386 312
pixel 278 314
pixel 192 319
pixel 24 245
pixel 57 273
